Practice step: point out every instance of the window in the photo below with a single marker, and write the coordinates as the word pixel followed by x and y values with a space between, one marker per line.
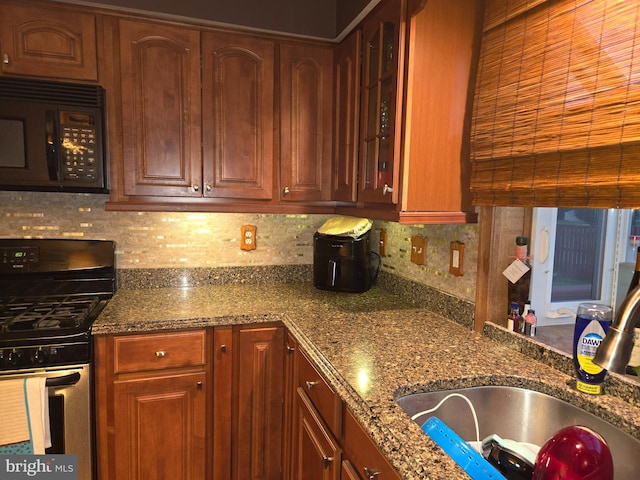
pixel 577 253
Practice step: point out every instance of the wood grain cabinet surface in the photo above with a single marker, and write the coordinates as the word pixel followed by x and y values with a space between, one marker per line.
pixel 152 397
pixel 47 41
pixel 161 109
pixel 346 118
pixel 415 105
pixel 306 121
pixel 258 418
pixel 238 115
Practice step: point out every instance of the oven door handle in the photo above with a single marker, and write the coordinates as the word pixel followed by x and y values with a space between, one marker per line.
pixel 64 381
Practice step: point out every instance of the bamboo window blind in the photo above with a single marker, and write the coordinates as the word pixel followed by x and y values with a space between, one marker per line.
pixel 556 118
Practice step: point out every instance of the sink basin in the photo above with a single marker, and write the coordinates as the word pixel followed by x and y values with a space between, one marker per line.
pixel 522 415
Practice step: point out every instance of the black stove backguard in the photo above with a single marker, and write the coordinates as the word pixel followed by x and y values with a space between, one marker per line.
pixel 51 291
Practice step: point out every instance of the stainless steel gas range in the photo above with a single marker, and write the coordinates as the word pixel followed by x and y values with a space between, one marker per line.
pixel 51 291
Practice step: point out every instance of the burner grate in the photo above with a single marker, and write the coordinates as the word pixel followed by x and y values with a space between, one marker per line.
pixel 45 313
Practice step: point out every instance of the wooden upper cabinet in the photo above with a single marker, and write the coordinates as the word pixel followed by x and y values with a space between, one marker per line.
pixel 381 119
pixel 47 42
pixel 346 120
pixel 443 40
pixel 306 120
pixel 238 115
pixel 160 89
pixel 415 112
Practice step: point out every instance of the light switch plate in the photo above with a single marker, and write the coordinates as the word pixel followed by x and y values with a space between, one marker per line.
pixel 248 237
pixel 419 250
pixel 456 258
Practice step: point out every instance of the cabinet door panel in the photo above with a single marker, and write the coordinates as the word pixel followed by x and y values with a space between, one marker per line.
pixel 347 109
pixel 160 428
pixel 47 42
pixel 306 76
pixel 380 126
pixel 260 383
pixel 317 454
pixel 160 68
pixel 222 402
pixel 238 109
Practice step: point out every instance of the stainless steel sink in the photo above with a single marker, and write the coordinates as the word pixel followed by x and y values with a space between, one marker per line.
pixel 522 415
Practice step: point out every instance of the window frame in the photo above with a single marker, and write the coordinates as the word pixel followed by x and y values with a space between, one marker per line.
pixel 544 222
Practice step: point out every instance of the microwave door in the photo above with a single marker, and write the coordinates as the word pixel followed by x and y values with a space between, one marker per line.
pixel 28 145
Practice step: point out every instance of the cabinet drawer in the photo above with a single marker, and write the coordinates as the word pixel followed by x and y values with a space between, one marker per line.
pixel 321 394
pixel 363 454
pixel 159 350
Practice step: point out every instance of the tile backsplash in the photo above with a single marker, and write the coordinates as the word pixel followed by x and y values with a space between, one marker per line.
pixel 191 240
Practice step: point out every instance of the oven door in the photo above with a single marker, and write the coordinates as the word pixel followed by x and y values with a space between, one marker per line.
pixel 70 412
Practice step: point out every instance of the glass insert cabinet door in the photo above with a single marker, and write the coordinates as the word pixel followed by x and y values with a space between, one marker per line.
pixel 379 103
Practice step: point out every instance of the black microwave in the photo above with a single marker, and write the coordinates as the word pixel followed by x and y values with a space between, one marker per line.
pixel 52 136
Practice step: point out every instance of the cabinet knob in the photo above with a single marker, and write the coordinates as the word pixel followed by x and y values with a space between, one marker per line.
pixel 386 189
pixel 286 191
pixel 207 187
pixel 5 59
pixel 370 473
pixel 223 348
pixel 290 349
pixel 195 187
pixel 199 386
pixel 161 353
pixel 310 385
pixel 326 461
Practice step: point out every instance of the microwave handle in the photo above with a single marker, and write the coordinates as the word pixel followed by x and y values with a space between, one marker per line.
pixel 51 144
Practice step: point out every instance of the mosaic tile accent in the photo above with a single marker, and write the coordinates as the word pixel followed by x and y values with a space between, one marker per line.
pixel 182 240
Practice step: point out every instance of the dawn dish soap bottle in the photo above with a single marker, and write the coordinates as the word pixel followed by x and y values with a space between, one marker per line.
pixel 592 323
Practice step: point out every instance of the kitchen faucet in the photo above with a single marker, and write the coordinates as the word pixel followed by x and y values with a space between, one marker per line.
pixel 614 351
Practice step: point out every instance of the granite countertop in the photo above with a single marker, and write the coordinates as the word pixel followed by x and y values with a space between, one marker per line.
pixel 372 347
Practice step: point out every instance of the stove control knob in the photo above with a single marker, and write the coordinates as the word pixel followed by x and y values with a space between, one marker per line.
pixel 14 358
pixel 39 356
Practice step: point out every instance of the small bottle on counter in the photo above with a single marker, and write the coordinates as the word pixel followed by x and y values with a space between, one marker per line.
pixel 525 310
pixel 530 322
pixel 518 291
pixel 513 320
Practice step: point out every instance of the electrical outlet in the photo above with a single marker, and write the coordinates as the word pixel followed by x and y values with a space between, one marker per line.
pixel 456 257
pixel 419 250
pixel 383 243
pixel 248 237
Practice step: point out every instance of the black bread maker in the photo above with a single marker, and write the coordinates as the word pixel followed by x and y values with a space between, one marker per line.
pixel 342 255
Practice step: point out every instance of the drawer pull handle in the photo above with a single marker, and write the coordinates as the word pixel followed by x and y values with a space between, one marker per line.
pixel 370 473
pixel 5 59
pixel 161 353
pixel 310 385
pixel 326 461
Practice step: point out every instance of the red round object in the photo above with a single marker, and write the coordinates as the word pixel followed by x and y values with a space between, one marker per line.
pixel 574 453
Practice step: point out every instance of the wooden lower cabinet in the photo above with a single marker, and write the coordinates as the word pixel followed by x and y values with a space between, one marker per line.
pixel 317 453
pixel 152 401
pixel 328 442
pixel 258 413
pixel 224 403
pixel 348 472
pixel 363 455
pixel 160 427
pixel 191 405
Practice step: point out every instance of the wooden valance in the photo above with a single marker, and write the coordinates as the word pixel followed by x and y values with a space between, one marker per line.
pixel 556 118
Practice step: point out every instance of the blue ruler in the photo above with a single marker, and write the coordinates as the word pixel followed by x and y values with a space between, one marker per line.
pixel 460 451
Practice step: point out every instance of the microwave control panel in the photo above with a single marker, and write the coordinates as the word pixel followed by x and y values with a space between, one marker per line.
pixel 80 150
